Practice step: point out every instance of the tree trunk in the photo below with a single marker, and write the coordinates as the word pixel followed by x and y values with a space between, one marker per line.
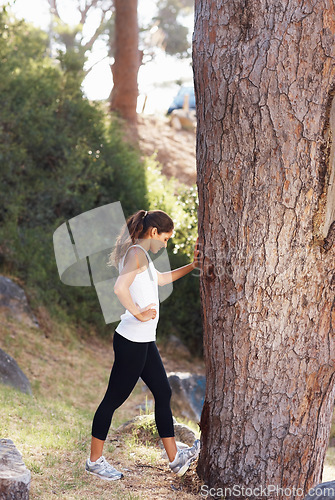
pixel 264 78
pixel 127 60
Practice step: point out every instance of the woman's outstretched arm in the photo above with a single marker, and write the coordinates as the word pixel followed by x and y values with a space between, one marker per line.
pixel 169 276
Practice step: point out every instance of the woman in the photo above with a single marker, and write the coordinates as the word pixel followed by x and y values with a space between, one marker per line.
pixel 136 353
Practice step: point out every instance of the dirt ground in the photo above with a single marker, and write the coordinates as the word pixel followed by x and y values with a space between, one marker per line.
pixel 175 149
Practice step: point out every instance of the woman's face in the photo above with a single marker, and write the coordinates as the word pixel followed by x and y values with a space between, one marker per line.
pixel 159 241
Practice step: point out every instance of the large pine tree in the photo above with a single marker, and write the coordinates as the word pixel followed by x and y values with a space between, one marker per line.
pixel 265 78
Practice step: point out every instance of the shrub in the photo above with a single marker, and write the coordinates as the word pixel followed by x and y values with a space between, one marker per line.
pixel 59 156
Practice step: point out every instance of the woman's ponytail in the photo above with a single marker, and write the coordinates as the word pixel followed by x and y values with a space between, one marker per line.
pixel 135 228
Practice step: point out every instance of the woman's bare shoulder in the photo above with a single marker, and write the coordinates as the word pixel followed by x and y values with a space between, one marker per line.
pixel 136 256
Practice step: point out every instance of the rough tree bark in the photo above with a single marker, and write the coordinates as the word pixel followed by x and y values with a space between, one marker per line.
pixel 264 77
pixel 127 60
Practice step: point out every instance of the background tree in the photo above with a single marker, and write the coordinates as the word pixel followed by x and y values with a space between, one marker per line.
pixel 171 34
pixel 70 40
pixel 127 44
pixel 265 80
pixel 127 60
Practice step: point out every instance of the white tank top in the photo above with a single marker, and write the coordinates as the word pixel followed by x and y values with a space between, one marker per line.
pixel 143 291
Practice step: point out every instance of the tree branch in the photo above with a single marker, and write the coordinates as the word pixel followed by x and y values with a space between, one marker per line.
pixel 97 62
pixel 85 10
pixel 90 43
pixel 53 8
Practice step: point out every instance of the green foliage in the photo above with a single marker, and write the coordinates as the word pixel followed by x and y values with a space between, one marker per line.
pixel 71 53
pixel 66 34
pixel 175 33
pixel 59 157
pixel 179 201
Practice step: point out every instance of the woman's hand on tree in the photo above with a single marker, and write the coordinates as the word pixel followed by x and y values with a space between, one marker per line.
pixel 196 257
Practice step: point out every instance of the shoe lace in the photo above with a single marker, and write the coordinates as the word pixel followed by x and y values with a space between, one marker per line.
pixel 188 452
pixel 107 465
pixel 185 454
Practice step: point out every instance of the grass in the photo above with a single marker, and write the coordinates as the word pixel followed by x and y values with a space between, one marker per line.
pixel 329 466
pixel 52 427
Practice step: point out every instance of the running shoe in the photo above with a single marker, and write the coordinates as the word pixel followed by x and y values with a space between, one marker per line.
pixel 102 469
pixel 184 458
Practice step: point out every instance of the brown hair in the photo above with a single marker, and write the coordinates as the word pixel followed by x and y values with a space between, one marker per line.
pixel 135 228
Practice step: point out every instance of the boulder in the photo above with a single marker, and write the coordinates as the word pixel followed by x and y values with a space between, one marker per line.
pixel 181 119
pixel 13 302
pixel 145 427
pixel 184 434
pixel 176 349
pixel 11 374
pixel 322 491
pixel 188 394
pixel 14 475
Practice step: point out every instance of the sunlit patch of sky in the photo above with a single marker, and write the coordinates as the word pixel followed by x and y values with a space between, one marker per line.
pixel 157 79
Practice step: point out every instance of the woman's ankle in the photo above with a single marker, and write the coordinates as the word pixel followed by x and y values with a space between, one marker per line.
pixel 170 447
pixel 96 449
pixel 174 458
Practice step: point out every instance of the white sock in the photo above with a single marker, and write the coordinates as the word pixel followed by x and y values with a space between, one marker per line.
pixel 175 458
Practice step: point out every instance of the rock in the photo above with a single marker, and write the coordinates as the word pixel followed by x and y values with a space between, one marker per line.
pixel 175 348
pixel 184 434
pixel 145 426
pixel 322 492
pixel 13 301
pixel 11 374
pixel 14 475
pixel 188 394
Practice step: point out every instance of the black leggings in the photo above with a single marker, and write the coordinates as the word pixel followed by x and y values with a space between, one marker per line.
pixel 134 360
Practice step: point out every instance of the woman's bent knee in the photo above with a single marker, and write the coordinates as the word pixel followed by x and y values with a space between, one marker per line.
pixel 164 395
